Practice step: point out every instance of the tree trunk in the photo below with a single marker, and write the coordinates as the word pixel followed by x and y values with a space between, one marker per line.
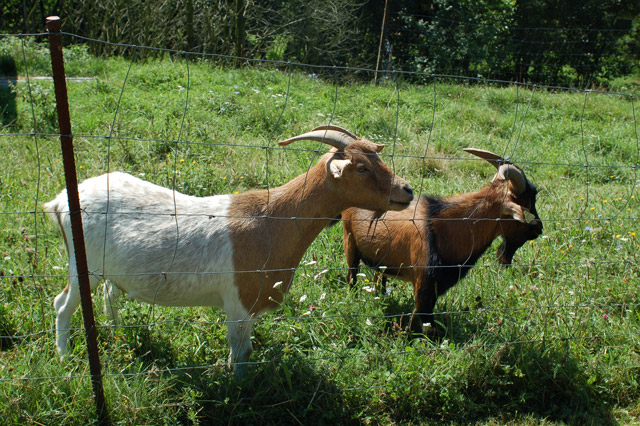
pixel 240 7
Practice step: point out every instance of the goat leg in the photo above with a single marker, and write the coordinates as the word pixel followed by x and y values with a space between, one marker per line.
pixel 423 320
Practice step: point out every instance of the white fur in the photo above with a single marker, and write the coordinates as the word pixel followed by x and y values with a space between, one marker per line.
pixel 163 247
pixel 148 255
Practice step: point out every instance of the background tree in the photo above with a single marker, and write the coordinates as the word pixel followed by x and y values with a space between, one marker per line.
pixel 542 41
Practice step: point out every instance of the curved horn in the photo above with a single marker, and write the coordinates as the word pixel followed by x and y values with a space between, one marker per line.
pixel 495 160
pixel 515 176
pixel 377 146
pixel 331 137
pixel 337 129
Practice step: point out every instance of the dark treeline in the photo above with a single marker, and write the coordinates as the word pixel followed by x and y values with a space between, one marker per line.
pixel 541 41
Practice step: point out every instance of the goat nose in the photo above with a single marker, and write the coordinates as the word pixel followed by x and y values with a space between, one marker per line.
pixel 408 188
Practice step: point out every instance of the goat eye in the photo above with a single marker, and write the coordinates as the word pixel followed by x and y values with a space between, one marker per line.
pixel 361 169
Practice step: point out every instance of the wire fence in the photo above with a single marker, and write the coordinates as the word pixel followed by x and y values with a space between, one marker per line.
pixel 605 180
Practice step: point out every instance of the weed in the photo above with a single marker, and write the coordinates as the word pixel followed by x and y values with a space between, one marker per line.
pixel 551 340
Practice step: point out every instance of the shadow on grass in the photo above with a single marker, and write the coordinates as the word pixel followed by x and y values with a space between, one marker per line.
pixel 8 76
pixel 500 379
pixel 542 381
pixel 279 392
pixel 287 391
pixel 480 379
pixel 7 330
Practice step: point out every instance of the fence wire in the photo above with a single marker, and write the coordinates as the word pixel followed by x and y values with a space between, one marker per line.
pixel 29 271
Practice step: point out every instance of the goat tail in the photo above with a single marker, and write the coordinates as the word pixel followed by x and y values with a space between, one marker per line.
pixel 56 209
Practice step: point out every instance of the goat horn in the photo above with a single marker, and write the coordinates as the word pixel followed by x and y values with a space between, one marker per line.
pixel 331 137
pixel 337 129
pixel 377 146
pixel 515 176
pixel 495 160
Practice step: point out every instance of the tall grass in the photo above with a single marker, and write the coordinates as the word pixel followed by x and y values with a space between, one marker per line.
pixel 552 340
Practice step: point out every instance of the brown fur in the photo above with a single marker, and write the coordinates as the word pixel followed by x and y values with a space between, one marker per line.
pixel 272 229
pixel 413 243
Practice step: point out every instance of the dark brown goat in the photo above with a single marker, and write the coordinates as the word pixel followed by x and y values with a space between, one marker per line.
pixel 435 241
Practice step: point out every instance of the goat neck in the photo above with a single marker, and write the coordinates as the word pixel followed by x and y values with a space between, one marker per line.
pixel 467 220
pixel 272 231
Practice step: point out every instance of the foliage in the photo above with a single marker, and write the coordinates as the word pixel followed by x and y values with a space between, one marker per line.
pixel 22 56
pixel 559 43
pixel 458 38
pixel 565 43
pixel 23 17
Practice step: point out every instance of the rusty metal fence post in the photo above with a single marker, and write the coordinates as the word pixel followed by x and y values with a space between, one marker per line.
pixel 66 140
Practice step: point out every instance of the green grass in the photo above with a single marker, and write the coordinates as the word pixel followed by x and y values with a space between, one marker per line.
pixel 553 340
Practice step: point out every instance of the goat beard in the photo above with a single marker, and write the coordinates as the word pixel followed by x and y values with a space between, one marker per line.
pixel 377 214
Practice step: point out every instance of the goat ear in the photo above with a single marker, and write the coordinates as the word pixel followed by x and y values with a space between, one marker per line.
pixel 517 212
pixel 379 147
pixel 336 167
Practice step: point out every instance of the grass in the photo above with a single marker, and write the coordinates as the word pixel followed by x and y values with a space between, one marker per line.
pixel 553 340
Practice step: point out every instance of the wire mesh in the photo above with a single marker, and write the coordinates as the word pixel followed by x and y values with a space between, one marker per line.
pixel 548 282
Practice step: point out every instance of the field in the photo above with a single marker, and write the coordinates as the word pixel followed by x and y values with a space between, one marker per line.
pixel 554 339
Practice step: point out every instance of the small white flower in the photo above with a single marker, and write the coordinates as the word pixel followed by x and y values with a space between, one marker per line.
pixel 368 288
pixel 278 284
pixel 322 296
pixel 312 262
pixel 324 271
pixel 361 274
pixel 303 298
pixel 368 322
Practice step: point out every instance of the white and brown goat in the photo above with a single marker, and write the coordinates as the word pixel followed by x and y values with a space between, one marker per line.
pixel 238 252
pixel 435 241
